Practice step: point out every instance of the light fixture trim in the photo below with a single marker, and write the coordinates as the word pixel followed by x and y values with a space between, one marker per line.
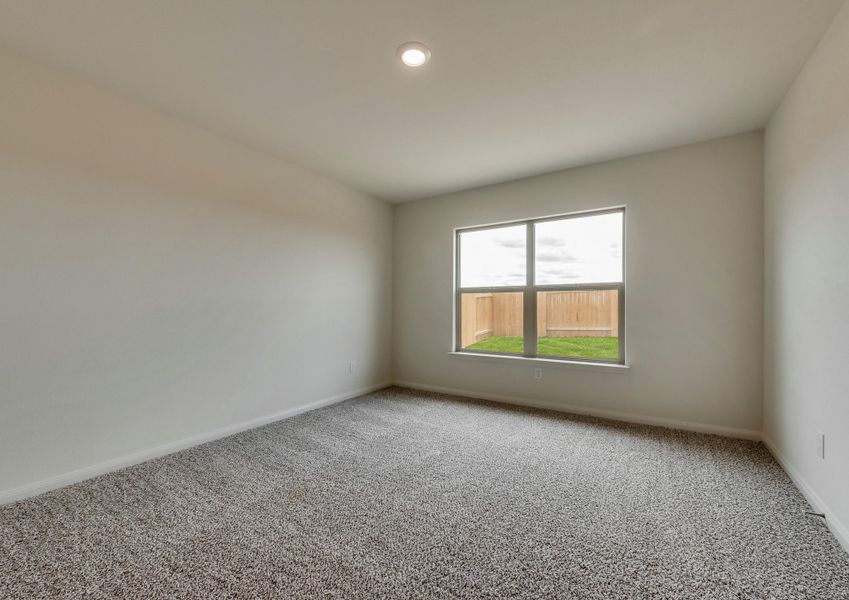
pixel 413 54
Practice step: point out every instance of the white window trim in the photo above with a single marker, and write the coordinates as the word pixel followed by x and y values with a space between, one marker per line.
pixel 590 365
pixel 530 289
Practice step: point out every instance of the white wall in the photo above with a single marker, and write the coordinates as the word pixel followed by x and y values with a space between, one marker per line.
pixel 159 281
pixel 807 275
pixel 694 297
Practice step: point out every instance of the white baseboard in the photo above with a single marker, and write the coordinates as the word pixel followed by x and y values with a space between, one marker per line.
pixel 840 530
pixel 746 434
pixel 58 481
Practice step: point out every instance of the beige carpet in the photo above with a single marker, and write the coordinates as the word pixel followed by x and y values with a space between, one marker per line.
pixel 402 494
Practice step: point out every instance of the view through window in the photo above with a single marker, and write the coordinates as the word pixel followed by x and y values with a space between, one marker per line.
pixel 549 288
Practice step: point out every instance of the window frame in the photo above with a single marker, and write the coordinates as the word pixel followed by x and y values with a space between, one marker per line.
pixel 530 289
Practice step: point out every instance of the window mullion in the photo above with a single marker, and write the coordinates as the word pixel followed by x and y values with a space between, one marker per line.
pixel 529 318
pixel 458 306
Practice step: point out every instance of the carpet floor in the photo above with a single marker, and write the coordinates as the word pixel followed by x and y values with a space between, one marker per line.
pixel 405 494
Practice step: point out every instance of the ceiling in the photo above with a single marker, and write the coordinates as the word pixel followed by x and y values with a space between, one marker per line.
pixel 514 87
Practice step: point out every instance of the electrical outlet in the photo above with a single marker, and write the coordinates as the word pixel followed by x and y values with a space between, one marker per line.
pixel 537 373
pixel 352 368
pixel 821 445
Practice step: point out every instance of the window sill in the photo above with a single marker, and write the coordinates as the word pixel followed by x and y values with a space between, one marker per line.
pixel 542 362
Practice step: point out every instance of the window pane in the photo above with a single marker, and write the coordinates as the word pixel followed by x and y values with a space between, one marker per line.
pixel 493 257
pixel 492 322
pixel 579 324
pixel 579 250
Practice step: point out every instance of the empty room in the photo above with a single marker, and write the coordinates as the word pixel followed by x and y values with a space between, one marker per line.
pixel 474 299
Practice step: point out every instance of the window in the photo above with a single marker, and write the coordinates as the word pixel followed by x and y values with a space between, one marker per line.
pixel 543 288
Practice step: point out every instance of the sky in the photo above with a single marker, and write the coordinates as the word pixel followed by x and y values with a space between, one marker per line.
pixel 574 250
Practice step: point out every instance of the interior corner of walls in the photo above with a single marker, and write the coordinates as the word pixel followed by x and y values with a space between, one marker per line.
pixel 839 529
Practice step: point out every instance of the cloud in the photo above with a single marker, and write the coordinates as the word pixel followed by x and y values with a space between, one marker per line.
pixel 548 240
pixel 558 275
pixel 510 243
pixel 558 257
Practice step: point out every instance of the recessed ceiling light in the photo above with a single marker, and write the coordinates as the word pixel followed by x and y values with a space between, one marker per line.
pixel 413 54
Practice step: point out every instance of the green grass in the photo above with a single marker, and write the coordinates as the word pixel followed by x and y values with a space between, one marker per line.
pixel 580 347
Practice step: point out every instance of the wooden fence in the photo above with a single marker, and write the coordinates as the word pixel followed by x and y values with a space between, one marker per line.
pixel 588 313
